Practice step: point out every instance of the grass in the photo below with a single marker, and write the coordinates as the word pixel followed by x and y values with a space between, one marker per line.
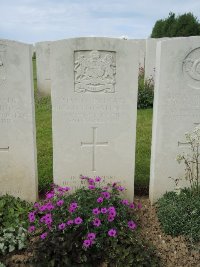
pixel 45 151
pixel 143 149
pixel 44 138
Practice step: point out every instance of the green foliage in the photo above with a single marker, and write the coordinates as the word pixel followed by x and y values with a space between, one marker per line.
pixel 2 265
pixel 13 211
pixel 131 251
pixel 145 92
pixel 13 221
pixel 12 238
pixel 182 25
pixel 66 246
pixel 180 214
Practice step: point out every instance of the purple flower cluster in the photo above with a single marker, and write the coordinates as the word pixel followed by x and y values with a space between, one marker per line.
pixel 101 216
pixel 73 206
pixel 47 219
pixel 90 240
pixel 31 216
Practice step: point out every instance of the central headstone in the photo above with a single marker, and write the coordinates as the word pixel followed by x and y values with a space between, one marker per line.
pixel 94 100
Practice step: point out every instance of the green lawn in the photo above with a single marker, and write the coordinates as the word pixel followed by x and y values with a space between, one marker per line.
pixel 44 143
pixel 143 149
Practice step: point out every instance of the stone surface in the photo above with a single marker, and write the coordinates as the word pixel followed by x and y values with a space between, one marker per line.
pixel 176 109
pixel 150 57
pixel 18 171
pixel 94 100
pixel 142 52
pixel 43 68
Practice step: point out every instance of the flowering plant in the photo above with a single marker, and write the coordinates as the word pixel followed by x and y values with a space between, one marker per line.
pixel 78 227
pixel 191 160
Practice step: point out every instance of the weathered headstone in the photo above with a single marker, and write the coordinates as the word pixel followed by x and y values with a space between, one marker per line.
pixel 43 68
pixel 94 100
pixel 176 109
pixel 18 169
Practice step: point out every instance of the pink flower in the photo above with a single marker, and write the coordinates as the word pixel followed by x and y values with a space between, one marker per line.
pixel 103 210
pixel 36 205
pixel 61 226
pixel 120 188
pixel 106 195
pixel 78 220
pixel 66 188
pixel 50 195
pixel 74 205
pixel 96 211
pixel 112 232
pixel 132 225
pixel 96 222
pixel 43 236
pixel 100 200
pixel 70 222
pixel 91 181
pixel 132 206
pixel 139 205
pixel 111 218
pixel 112 213
pixel 91 236
pixel 42 208
pixel 31 229
pixel 60 202
pixel 87 243
pixel 125 202
pixel 97 179
pixel 91 187
pixel 50 206
pixel 31 216
pixel 110 209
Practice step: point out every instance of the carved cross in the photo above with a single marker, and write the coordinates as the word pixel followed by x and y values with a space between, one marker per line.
pixel 4 149
pixel 93 145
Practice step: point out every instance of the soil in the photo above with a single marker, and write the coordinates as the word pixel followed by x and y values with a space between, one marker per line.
pixel 173 251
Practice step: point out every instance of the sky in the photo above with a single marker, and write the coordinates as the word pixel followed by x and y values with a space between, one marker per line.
pixel 33 21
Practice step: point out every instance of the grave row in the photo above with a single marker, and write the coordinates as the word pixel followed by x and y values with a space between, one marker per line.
pixel 94 85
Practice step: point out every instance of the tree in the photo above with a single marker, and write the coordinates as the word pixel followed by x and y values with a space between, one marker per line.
pixel 182 25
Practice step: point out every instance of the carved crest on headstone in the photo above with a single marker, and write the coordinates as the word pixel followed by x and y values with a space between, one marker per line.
pixel 94 71
pixel 191 68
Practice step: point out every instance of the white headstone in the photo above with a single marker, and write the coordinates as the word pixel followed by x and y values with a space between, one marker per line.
pixel 18 169
pixel 142 52
pixel 94 101
pixel 176 109
pixel 43 68
pixel 150 57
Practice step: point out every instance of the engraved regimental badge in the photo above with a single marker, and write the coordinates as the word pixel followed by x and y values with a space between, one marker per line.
pixel 191 68
pixel 94 71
